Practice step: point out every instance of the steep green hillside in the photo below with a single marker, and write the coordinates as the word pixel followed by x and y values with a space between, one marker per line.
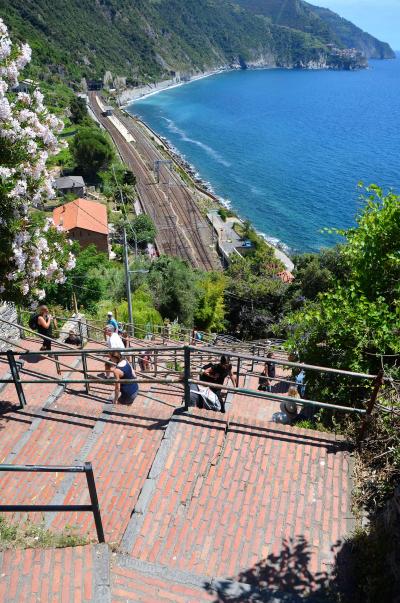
pixel 319 22
pixel 350 35
pixel 144 40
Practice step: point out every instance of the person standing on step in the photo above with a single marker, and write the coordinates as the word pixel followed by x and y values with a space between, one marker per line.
pixel 263 380
pixel 44 326
pixel 271 371
pixel 124 393
pixel 114 342
pixel 110 321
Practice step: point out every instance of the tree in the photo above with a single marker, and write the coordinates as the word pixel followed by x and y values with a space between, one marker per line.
pixel 92 151
pixel 144 229
pixel 78 110
pixel 143 311
pixel 210 311
pixel 174 288
pixel 355 324
pixel 255 295
pixel 315 273
pixel 87 280
pixel 129 178
pixel 33 250
pixel 123 195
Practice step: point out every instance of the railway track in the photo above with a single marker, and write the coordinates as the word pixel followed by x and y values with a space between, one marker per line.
pixel 182 231
pixel 181 197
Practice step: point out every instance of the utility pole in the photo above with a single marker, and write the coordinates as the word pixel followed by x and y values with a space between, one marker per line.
pixel 127 279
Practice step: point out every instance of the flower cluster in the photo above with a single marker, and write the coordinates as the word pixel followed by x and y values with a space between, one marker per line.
pixel 31 253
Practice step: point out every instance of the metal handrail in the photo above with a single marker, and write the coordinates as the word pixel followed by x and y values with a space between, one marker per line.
pixel 277 397
pixel 188 351
pixel 183 332
pixel 300 365
pixel 87 469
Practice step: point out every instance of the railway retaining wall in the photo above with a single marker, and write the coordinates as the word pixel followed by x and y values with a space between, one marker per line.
pixel 8 312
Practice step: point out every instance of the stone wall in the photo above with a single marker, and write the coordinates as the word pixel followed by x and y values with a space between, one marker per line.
pixel 8 312
pixel 72 325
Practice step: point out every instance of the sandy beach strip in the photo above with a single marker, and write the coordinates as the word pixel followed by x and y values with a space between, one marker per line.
pixel 131 95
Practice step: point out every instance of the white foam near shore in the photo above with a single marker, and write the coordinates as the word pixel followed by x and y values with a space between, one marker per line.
pixel 281 250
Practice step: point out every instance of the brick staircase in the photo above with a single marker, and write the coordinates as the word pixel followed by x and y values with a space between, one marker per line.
pixel 191 502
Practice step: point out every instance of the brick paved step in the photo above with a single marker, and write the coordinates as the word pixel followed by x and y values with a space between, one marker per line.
pixel 135 580
pixel 15 424
pixel 124 444
pixel 259 408
pixel 230 493
pixel 41 433
pixel 120 441
pixel 74 574
pixel 128 585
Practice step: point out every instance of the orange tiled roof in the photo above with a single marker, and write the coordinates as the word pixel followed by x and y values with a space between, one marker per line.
pixel 82 213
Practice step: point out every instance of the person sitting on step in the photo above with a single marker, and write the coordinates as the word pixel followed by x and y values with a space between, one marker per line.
pixel 124 393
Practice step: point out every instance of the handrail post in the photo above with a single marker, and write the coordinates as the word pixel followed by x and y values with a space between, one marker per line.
pixel 21 328
pixel 186 376
pixel 15 376
pixel 253 352
pixel 94 501
pixel 371 404
pixel 238 372
pixel 85 374
pixel 58 368
pixel 80 333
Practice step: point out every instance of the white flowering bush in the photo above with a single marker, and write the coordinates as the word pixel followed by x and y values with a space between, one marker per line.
pixel 33 250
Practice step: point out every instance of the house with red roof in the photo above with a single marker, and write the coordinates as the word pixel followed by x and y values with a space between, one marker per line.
pixel 85 221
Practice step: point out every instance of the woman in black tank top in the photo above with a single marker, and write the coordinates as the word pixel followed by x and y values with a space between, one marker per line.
pixel 44 326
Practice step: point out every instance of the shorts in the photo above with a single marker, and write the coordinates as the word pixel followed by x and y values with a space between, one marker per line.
pixel 127 398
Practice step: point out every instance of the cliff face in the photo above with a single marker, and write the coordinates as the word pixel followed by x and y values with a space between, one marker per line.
pixel 147 40
pixel 350 36
pixel 322 23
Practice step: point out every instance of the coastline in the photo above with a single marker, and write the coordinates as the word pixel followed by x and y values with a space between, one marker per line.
pixel 280 249
pixel 130 95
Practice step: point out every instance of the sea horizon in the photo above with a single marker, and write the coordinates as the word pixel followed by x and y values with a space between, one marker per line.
pixel 286 148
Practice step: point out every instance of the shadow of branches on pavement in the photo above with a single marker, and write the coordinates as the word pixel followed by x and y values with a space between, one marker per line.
pixel 284 577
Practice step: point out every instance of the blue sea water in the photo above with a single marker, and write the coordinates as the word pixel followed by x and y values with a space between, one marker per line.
pixel 287 148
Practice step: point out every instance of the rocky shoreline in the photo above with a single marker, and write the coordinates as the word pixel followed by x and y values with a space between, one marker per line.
pixel 282 251
pixel 335 59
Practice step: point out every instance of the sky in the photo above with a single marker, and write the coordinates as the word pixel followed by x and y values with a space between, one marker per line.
pixel 381 18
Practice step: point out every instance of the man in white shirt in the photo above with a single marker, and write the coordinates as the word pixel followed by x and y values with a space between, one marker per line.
pixel 114 342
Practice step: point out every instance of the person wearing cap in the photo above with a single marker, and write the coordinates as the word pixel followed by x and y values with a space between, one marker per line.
pixel 114 342
pixel 110 321
pixel 73 338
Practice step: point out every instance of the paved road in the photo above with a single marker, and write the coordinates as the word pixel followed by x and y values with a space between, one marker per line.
pixel 182 230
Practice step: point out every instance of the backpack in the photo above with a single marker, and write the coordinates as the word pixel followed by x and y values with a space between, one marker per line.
pixel 33 322
pixel 203 397
pixel 210 399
